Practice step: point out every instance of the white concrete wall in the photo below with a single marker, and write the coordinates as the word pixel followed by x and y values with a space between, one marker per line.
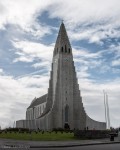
pixel 95 125
pixel 29 124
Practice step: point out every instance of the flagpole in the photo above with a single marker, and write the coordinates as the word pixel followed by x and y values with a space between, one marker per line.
pixel 105 108
pixel 108 111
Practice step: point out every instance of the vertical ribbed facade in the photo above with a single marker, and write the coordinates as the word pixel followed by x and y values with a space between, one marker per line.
pixel 67 107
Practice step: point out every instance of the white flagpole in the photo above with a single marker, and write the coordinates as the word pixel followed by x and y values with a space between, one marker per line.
pixel 108 111
pixel 105 108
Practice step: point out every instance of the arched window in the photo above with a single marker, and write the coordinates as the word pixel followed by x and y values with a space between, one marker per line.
pixel 66 113
pixel 65 49
pixel 61 49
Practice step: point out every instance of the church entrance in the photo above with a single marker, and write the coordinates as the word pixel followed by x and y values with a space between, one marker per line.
pixel 66 126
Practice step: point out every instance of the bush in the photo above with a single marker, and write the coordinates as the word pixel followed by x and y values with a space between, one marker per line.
pixel 62 130
pixel 91 134
pixel 16 130
pixel 58 129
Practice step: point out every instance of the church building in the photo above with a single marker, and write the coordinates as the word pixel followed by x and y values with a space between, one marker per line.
pixel 62 106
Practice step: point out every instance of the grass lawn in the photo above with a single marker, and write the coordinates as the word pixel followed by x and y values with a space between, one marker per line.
pixel 46 136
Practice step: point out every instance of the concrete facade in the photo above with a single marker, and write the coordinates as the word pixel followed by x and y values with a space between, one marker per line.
pixel 62 106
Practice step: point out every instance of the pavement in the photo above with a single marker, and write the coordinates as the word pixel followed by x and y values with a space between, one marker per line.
pixel 52 144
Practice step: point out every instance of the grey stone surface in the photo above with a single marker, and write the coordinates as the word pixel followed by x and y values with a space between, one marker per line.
pixel 51 144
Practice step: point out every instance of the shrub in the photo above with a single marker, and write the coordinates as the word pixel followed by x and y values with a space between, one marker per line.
pixel 16 130
pixel 91 134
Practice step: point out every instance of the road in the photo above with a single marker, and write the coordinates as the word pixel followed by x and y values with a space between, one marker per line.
pixel 90 147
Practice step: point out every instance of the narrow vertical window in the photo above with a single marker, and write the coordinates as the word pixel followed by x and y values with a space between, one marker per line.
pixel 66 113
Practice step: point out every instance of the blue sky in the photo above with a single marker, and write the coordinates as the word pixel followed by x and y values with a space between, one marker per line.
pixel 28 31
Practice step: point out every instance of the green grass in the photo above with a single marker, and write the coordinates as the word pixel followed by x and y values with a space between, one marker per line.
pixel 39 136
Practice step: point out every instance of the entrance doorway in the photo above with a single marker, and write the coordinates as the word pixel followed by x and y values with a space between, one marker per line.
pixel 66 126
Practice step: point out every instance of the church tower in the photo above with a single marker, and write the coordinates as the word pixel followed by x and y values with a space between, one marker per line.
pixel 64 99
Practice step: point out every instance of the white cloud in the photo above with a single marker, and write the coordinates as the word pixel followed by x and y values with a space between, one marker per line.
pixel 23 14
pixel 23 59
pixel 20 13
pixel 82 52
pixel 86 11
pixel 116 62
pixel 1 71
pixel 41 64
pixel 17 94
pixel 93 20
pixel 28 51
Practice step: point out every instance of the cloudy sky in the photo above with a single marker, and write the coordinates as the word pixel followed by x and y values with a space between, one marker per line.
pixel 28 31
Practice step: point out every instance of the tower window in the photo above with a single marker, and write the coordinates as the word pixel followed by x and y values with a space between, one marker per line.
pixel 69 50
pixel 65 49
pixel 57 50
pixel 61 49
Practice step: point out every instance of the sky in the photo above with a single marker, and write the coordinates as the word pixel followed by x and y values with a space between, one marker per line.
pixel 28 31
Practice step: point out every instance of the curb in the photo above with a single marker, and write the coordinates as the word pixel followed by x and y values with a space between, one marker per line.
pixel 75 145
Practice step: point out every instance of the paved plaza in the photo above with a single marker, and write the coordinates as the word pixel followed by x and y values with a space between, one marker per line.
pixel 53 144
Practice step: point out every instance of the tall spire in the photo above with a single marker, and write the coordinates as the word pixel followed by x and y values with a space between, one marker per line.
pixel 62 42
